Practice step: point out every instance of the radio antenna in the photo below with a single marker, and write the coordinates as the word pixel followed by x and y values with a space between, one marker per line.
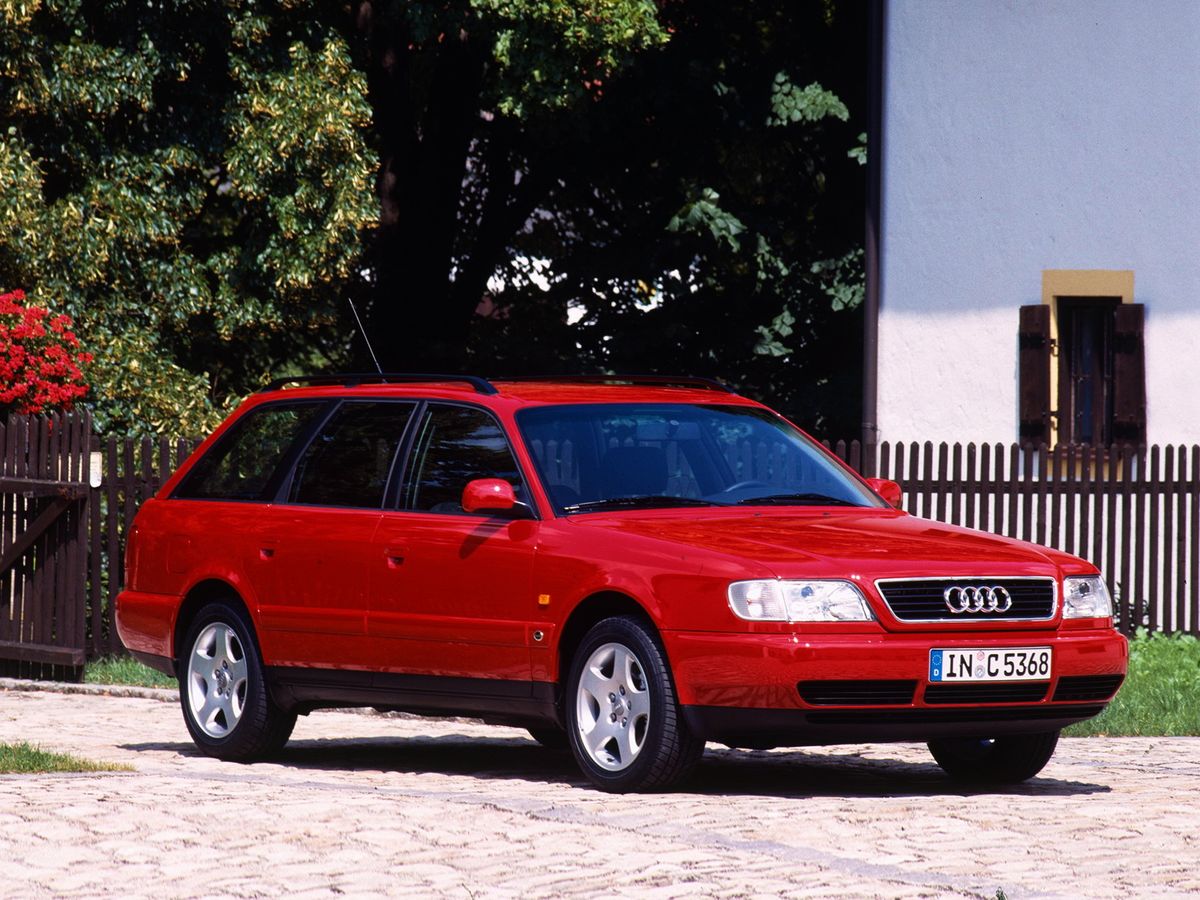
pixel 363 332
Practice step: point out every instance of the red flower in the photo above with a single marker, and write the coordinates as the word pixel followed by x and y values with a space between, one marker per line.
pixel 39 365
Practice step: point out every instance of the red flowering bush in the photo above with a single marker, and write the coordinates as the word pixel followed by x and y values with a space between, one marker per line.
pixel 40 360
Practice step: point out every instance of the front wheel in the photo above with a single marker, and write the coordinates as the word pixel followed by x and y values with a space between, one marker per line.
pixel 1003 760
pixel 226 705
pixel 623 719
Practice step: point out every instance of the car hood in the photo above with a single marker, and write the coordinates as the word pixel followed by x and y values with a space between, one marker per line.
pixel 871 543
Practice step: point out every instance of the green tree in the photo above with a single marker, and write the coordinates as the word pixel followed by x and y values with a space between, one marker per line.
pixel 501 185
pixel 476 102
pixel 190 181
pixel 680 192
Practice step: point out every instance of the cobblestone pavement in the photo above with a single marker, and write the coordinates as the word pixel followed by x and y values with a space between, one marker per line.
pixel 364 805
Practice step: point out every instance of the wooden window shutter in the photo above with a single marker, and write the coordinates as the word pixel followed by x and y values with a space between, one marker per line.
pixel 1129 374
pixel 1033 392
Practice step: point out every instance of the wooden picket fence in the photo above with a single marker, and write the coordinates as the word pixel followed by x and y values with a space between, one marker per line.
pixel 67 497
pixel 132 470
pixel 43 533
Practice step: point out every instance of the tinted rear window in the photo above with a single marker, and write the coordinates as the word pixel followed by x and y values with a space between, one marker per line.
pixel 348 462
pixel 244 463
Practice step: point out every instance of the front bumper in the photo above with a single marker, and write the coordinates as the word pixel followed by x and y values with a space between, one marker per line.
pixel 745 689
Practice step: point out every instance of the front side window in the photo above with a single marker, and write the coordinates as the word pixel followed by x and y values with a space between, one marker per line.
pixel 349 460
pixel 455 445
pixel 597 456
pixel 245 463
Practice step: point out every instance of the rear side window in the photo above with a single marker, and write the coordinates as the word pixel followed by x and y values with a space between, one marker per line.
pixel 457 444
pixel 348 462
pixel 244 463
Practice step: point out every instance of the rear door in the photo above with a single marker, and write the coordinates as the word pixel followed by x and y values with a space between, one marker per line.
pixel 314 547
pixel 451 591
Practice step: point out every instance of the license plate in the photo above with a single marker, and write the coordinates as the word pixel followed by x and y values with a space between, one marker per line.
pixel 1007 664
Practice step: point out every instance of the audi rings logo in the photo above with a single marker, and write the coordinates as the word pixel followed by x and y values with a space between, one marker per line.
pixel 977 599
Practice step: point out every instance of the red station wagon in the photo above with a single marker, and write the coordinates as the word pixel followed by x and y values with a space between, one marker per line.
pixel 630 566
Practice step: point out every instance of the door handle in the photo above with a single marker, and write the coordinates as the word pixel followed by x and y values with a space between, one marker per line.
pixel 394 555
pixel 266 549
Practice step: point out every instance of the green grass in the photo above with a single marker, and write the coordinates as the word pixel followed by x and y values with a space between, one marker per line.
pixel 26 759
pixel 125 670
pixel 1161 695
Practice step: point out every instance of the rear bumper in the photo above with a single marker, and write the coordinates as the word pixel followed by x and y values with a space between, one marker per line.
pixel 745 689
pixel 146 622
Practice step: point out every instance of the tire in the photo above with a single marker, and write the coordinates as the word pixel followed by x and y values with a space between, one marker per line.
pixel 550 738
pixel 623 719
pixel 226 706
pixel 1003 760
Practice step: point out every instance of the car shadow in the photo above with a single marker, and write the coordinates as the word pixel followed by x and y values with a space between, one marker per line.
pixel 825 772
pixel 843 772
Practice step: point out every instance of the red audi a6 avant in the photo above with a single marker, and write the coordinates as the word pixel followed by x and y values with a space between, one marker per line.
pixel 629 566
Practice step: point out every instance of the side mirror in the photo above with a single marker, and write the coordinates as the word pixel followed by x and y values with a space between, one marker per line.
pixel 488 494
pixel 887 489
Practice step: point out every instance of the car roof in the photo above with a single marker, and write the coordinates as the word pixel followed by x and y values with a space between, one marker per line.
pixel 523 390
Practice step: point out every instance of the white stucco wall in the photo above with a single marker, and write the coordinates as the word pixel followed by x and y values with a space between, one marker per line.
pixel 1019 137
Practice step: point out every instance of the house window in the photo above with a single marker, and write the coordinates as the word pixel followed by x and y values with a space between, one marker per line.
pixel 1085 369
pixel 1082 362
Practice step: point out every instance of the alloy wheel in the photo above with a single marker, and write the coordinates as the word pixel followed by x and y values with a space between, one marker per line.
pixel 613 707
pixel 216 680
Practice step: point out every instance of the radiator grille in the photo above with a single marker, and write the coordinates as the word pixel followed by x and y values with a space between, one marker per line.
pixel 923 600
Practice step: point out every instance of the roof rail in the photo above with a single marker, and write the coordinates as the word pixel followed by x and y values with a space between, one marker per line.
pixel 351 379
pixel 709 384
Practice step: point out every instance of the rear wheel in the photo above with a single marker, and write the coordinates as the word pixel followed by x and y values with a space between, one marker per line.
pixel 226 705
pixel 623 719
pixel 1003 760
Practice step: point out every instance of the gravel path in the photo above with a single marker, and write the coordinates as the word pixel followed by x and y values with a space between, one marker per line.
pixel 367 805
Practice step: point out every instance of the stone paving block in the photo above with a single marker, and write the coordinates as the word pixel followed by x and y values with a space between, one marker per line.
pixel 366 805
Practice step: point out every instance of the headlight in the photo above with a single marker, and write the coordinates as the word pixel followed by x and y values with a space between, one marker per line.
pixel 798 601
pixel 1086 597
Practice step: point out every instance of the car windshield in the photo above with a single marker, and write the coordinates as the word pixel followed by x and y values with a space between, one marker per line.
pixel 593 457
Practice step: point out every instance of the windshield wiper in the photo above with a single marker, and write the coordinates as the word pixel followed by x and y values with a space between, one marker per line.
pixel 808 499
pixel 645 501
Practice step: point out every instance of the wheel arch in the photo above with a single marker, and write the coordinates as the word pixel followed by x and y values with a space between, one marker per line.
pixel 590 610
pixel 197 597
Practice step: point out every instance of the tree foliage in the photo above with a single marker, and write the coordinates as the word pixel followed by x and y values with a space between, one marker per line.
pixel 190 181
pixel 501 185
pixel 692 204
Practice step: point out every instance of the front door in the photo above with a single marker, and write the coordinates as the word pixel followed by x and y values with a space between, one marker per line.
pixel 451 592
